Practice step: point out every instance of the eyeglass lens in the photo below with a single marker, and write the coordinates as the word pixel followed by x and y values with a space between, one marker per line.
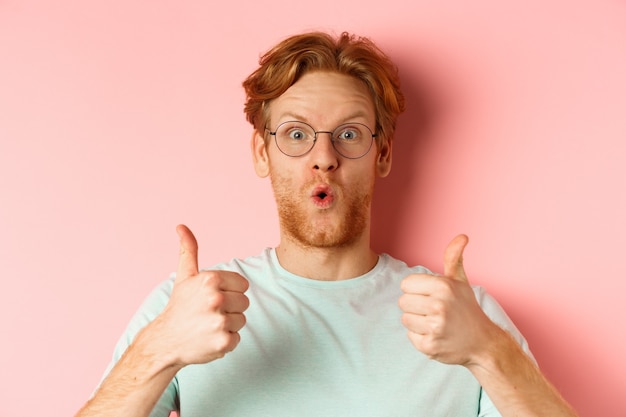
pixel 351 140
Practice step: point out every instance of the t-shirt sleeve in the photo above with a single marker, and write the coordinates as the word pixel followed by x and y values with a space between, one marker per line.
pixel 496 313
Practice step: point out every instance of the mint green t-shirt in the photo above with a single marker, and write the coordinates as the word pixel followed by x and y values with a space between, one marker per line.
pixel 321 348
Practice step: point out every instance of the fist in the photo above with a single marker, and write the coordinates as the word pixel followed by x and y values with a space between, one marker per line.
pixel 441 314
pixel 205 312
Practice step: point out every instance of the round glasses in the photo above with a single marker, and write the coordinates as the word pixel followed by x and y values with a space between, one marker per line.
pixel 350 140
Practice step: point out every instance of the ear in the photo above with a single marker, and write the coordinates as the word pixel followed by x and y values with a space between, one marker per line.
pixel 260 157
pixel 383 159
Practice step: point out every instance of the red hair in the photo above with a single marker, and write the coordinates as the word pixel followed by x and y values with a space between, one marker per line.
pixel 283 65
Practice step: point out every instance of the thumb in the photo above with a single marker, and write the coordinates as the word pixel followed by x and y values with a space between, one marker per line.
pixel 188 255
pixel 453 258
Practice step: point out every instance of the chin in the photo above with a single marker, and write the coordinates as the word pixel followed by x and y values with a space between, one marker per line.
pixel 312 236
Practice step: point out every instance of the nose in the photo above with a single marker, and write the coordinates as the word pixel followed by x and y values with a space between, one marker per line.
pixel 323 155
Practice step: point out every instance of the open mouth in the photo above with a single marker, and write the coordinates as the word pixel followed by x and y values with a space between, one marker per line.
pixel 322 196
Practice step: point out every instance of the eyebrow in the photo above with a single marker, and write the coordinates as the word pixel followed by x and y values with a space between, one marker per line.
pixel 299 117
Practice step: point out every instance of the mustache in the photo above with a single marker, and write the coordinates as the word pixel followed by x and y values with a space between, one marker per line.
pixel 309 185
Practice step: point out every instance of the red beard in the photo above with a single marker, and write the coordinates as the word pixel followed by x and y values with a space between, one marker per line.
pixel 351 212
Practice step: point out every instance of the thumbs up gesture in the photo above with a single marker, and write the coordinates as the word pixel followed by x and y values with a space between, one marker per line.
pixel 205 310
pixel 441 314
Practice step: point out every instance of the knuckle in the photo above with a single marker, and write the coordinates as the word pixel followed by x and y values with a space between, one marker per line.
pixel 216 300
pixel 224 342
pixel 436 327
pixel 219 323
pixel 430 348
pixel 211 278
pixel 438 307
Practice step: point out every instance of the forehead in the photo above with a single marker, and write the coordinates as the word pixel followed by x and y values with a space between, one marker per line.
pixel 324 98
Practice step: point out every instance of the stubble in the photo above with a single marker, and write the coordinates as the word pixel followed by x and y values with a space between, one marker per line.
pixel 317 231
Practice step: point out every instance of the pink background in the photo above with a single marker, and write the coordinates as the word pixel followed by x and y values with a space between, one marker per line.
pixel 120 119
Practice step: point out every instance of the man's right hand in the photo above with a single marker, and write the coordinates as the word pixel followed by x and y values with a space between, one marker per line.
pixel 205 312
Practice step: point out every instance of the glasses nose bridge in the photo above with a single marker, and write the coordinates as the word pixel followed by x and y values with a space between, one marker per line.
pixel 330 136
pixel 330 133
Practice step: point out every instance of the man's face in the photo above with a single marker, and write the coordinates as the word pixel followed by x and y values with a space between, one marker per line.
pixel 323 198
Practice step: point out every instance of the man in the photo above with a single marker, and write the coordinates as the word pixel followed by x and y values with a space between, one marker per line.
pixel 326 319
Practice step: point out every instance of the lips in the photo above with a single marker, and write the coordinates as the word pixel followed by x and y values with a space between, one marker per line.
pixel 323 195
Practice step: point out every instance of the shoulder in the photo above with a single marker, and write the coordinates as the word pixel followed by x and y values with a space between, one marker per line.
pixel 397 266
pixel 250 264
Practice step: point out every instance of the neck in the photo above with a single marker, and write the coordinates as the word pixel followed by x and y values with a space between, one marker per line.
pixel 327 263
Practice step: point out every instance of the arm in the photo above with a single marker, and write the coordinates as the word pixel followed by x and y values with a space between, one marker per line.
pixel 135 384
pixel 513 381
pixel 198 325
pixel 446 323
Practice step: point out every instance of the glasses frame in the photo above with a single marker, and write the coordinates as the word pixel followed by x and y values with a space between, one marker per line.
pixel 316 132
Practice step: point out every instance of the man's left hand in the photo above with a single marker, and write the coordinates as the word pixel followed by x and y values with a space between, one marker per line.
pixel 443 318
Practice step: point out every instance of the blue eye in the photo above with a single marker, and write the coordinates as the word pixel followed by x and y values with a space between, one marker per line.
pixel 297 134
pixel 349 134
